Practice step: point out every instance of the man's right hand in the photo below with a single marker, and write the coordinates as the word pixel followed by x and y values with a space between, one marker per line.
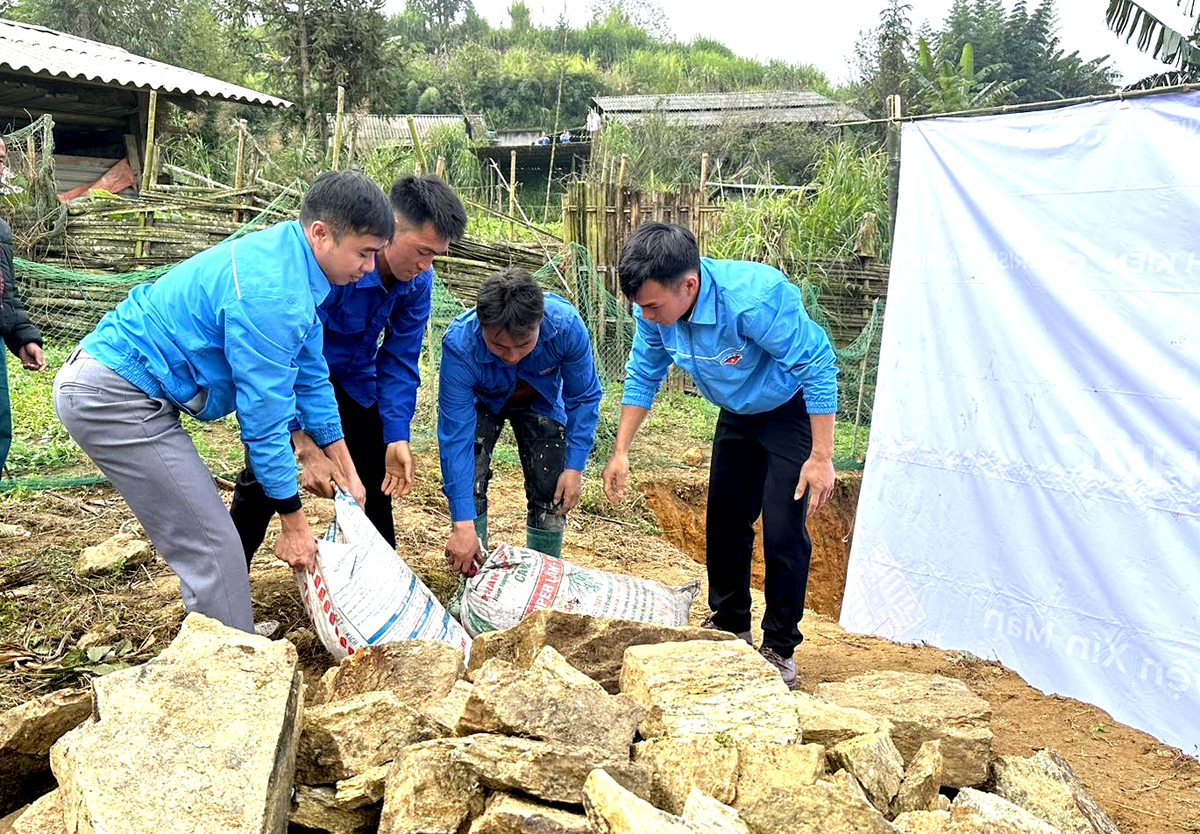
pixel 616 477
pixel 320 473
pixel 462 550
pixel 296 544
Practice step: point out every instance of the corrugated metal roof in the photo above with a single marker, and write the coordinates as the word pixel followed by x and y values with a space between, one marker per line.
pixel 372 129
pixel 703 109
pixel 47 53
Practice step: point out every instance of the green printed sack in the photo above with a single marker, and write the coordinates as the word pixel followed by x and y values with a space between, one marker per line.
pixel 516 581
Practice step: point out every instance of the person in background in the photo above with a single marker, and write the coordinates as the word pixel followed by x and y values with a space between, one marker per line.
pixel 524 356
pixel 19 334
pixel 741 331
pixel 234 327
pixel 564 137
pixel 373 331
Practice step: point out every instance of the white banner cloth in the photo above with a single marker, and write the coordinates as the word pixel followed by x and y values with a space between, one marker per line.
pixel 1032 485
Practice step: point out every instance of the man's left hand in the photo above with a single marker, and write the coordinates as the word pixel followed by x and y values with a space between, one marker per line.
pixel 566 493
pixel 32 358
pixel 818 478
pixel 398 468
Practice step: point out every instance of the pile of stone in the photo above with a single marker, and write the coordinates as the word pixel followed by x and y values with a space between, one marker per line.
pixel 562 725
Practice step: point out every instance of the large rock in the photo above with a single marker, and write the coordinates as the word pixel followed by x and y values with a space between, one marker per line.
pixel 551 661
pixel 549 770
pixel 44 816
pixel 429 792
pixel 875 762
pixel 537 703
pixel 120 552
pixel 593 645
pixel 827 724
pixel 708 816
pixel 317 808
pixel 680 765
pixel 346 737
pixel 763 766
pixel 447 711
pixel 27 732
pixel 418 671
pixel 613 810
pixel 923 822
pixel 202 738
pixel 706 688
pixel 922 781
pixel 923 708
pixel 508 814
pixel 976 812
pixel 1046 786
pixel 822 806
pixel 364 789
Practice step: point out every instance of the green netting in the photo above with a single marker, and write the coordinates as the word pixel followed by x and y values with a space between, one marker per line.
pixel 44 457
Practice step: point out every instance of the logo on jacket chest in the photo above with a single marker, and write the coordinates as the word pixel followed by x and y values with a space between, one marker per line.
pixel 733 358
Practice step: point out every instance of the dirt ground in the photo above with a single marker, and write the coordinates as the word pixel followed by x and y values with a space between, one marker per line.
pixel 46 613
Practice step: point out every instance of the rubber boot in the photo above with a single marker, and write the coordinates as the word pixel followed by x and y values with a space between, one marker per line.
pixel 544 541
pixel 481 530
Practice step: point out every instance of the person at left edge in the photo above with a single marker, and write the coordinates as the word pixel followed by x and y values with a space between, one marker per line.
pixel 373 331
pixel 231 328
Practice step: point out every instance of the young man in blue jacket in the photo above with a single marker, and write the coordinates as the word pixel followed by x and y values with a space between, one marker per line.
pixel 741 331
pixel 232 328
pixel 373 330
pixel 523 356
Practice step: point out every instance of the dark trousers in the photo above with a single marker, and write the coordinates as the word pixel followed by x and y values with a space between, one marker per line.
pixel 756 462
pixel 542 447
pixel 252 510
pixel 5 413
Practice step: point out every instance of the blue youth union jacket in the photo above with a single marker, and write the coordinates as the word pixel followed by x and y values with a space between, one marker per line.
pixel 373 340
pixel 748 344
pixel 233 328
pixel 559 369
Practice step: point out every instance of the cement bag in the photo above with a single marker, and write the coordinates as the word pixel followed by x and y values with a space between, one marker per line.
pixel 516 581
pixel 362 593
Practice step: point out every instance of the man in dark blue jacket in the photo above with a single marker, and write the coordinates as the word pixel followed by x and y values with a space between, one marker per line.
pixel 18 332
pixel 373 331
pixel 523 356
pixel 232 328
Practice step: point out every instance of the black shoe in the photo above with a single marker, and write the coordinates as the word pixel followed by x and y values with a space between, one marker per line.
pixel 745 635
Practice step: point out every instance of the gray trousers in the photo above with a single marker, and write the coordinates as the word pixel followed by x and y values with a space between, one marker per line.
pixel 139 444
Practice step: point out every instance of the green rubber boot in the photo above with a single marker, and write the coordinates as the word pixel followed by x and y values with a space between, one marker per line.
pixel 481 530
pixel 544 541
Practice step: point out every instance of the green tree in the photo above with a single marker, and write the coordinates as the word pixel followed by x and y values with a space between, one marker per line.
pixel 1176 49
pixel 945 86
pixel 882 58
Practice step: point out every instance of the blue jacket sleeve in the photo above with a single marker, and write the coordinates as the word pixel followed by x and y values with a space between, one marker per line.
pixel 456 433
pixel 782 328
pixel 397 375
pixel 261 341
pixel 581 394
pixel 316 404
pixel 647 365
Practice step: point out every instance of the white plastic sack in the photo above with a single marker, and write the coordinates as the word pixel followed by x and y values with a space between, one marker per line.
pixel 516 581
pixel 362 593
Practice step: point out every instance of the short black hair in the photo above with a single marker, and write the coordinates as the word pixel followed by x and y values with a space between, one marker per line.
pixel 511 300
pixel 427 199
pixel 661 252
pixel 348 201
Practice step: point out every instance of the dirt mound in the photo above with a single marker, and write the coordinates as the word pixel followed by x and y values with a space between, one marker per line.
pixel 679 501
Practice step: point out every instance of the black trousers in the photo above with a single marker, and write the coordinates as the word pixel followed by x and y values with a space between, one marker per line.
pixel 756 462
pixel 542 447
pixel 252 510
